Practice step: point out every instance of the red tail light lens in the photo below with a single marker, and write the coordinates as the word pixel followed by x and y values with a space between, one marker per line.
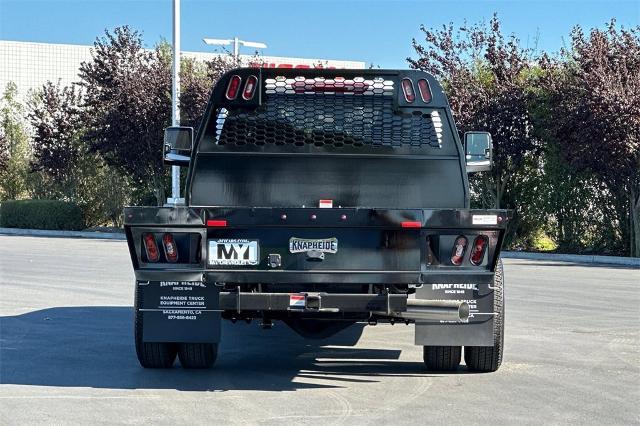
pixel 151 248
pixel 234 87
pixel 216 223
pixel 411 224
pixel 250 88
pixel 408 91
pixel 170 248
pixel 478 249
pixel 459 248
pixel 425 91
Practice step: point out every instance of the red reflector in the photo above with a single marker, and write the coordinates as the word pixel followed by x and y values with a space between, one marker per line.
pixel 150 247
pixel 218 223
pixel 459 247
pixel 250 88
pixel 479 247
pixel 407 89
pixel 170 248
pixel 411 224
pixel 425 92
pixel 234 87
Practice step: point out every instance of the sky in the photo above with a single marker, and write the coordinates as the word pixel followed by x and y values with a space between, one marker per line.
pixel 375 31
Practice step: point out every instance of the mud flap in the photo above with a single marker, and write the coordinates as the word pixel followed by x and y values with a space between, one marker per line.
pixel 478 331
pixel 180 309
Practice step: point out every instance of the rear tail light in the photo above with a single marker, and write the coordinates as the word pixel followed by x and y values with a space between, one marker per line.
pixel 425 91
pixel 459 248
pixel 250 88
pixel 478 250
pixel 408 91
pixel 170 248
pixel 234 87
pixel 151 248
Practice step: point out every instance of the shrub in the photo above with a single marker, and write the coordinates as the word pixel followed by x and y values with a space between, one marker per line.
pixel 540 241
pixel 41 214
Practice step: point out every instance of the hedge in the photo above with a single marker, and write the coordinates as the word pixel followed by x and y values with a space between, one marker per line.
pixel 41 214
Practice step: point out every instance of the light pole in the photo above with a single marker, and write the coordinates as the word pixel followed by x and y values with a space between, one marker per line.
pixel 175 98
pixel 236 44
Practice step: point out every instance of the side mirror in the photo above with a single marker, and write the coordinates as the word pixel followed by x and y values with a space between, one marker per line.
pixel 178 142
pixel 478 149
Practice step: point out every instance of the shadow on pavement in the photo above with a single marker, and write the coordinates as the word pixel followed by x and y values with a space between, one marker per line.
pixel 93 347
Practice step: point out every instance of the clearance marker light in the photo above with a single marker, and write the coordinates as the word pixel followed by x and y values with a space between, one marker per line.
pixel 411 224
pixel 216 223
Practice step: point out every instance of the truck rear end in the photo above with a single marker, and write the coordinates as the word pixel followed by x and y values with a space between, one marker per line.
pixel 320 198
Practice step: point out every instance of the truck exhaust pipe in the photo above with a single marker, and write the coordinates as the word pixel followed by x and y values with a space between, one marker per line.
pixel 433 310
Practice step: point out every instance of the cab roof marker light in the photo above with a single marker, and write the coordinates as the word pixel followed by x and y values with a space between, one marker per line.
pixel 408 90
pixel 233 87
pixel 425 91
pixel 250 88
pixel 217 223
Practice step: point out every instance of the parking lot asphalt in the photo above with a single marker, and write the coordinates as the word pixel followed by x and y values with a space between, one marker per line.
pixel 67 356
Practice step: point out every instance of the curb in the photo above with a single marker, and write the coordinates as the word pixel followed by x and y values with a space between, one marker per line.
pixel 63 234
pixel 575 258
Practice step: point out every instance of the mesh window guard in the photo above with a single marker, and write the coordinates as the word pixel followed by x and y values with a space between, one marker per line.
pixel 336 112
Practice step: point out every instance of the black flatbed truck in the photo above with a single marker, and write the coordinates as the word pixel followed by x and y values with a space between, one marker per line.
pixel 321 198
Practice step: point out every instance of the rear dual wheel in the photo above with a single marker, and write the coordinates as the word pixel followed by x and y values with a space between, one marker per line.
pixel 483 359
pixel 442 358
pixel 153 354
pixel 197 355
pixel 487 359
pixel 163 355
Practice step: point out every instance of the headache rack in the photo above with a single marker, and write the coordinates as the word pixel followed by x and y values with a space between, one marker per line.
pixel 319 110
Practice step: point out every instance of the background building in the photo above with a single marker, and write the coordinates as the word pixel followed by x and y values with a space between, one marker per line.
pixel 30 65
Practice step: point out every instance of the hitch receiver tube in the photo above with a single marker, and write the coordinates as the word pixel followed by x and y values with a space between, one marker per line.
pixel 433 310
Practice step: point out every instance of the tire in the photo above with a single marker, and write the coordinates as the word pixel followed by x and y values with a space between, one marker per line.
pixel 486 359
pixel 197 355
pixel 442 358
pixel 152 354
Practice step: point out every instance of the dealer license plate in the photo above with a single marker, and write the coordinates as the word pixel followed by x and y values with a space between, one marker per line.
pixel 234 252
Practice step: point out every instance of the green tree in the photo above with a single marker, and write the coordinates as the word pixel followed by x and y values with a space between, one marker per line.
pixel 127 105
pixel 488 80
pixel 55 118
pixel 594 95
pixel 64 167
pixel 14 147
